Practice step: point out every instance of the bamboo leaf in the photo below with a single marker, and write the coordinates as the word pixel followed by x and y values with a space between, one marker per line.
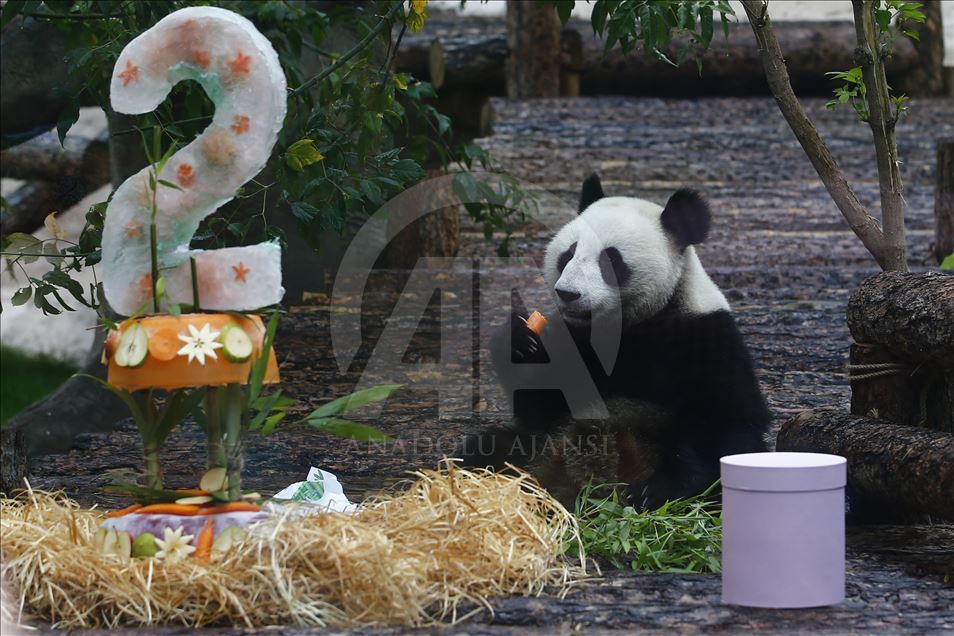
pixel 356 400
pixel 349 429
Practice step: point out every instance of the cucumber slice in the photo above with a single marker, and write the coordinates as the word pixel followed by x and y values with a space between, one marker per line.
pixel 133 347
pixel 236 345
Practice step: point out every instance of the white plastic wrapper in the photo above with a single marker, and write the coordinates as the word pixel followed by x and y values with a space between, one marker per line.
pixel 321 490
pixel 239 70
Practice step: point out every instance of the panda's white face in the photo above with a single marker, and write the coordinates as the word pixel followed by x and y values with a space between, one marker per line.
pixel 615 258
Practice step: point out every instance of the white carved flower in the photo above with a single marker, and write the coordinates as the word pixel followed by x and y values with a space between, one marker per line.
pixel 174 547
pixel 200 343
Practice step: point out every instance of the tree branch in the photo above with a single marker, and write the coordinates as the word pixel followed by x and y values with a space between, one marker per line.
pixel 862 224
pixel 379 28
pixel 882 123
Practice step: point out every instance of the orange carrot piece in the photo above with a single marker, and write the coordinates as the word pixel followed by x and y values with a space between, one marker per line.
pixel 192 492
pixel 536 322
pixel 203 544
pixel 232 506
pixel 124 511
pixel 169 509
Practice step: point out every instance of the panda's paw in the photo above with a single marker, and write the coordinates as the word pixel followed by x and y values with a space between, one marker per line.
pixel 525 345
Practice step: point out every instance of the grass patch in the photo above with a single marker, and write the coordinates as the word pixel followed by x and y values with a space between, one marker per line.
pixel 26 378
pixel 683 536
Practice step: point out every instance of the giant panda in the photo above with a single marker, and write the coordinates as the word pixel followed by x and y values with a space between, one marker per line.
pixel 681 391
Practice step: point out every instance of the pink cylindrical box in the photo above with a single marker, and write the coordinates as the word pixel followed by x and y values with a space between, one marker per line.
pixel 783 529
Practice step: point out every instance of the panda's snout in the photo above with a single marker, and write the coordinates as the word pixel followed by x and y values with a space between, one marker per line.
pixel 567 296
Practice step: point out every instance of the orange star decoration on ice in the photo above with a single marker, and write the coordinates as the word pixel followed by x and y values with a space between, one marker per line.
pixel 130 73
pixel 240 271
pixel 133 230
pixel 185 175
pixel 240 65
pixel 241 124
pixel 202 58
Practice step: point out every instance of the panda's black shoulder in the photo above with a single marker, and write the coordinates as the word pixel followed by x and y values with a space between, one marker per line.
pixel 690 360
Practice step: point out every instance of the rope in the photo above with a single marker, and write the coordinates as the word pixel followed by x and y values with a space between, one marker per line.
pixel 876 370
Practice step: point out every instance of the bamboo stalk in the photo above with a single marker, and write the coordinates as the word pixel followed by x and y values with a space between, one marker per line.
pixel 216 452
pixel 234 456
pixel 153 467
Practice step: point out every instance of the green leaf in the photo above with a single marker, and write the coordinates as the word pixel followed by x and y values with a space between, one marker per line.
pixel 349 429
pixel 302 153
pixel 68 116
pixel 564 9
pixel 170 184
pixel 356 400
pixel 260 366
pixel 883 18
pixel 19 242
pixel 21 296
pixel 304 212
pixel 947 265
pixel 705 23
pixel 271 422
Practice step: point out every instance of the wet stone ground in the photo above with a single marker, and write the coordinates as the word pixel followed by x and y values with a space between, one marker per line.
pixel 778 248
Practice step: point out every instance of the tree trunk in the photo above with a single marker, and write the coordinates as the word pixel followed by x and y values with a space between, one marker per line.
pixel 926 78
pixel 944 201
pixel 571 62
pixel 13 460
pixel 533 37
pixel 893 471
pixel 434 234
pixel 882 119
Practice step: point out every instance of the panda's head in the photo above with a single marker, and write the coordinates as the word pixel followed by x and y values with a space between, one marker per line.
pixel 626 257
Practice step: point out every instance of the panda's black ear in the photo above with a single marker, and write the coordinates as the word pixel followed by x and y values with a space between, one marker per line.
pixel 592 191
pixel 687 218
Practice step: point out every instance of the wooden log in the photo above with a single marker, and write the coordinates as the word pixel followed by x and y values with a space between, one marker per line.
pixel 45 159
pixel 888 388
pixel 893 470
pixel 60 176
pixel 944 201
pixel 729 67
pixel 912 315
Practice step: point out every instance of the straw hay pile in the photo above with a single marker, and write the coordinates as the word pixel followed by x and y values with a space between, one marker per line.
pixel 448 542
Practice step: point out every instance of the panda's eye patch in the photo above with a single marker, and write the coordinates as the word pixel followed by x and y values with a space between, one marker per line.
pixel 565 258
pixel 612 267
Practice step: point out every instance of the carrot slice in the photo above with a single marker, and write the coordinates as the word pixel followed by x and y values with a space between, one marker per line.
pixel 124 511
pixel 203 544
pixel 232 506
pixel 169 509
pixel 164 344
pixel 536 322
